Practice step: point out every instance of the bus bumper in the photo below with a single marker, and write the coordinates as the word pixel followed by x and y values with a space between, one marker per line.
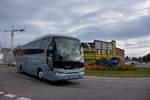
pixel 63 74
pixel 68 77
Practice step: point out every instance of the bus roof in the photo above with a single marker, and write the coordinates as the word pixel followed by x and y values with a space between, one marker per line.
pixel 54 35
pixel 46 36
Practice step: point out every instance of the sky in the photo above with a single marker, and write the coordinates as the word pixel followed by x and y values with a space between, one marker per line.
pixel 126 21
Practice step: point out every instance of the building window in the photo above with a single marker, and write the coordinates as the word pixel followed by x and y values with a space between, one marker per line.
pixel 98 51
pixel 109 51
pixel 103 51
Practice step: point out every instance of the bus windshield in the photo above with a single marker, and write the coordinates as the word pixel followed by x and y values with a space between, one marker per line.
pixel 68 49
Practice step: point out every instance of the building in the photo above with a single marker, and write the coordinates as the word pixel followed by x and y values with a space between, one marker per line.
pixel 120 53
pixel 6 56
pixel 102 50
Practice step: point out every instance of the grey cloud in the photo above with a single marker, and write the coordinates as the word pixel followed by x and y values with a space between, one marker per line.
pixel 137 44
pixel 86 19
pixel 119 31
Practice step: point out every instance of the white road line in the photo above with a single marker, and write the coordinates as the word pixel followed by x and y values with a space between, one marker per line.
pixel 1 92
pixel 23 98
pixel 14 96
pixel 10 95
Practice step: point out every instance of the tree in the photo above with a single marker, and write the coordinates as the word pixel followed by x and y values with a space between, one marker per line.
pixel 134 59
pixel 140 59
pixel 127 58
pixel 146 58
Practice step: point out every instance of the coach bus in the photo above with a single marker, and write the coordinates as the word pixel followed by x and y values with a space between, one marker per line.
pixel 51 57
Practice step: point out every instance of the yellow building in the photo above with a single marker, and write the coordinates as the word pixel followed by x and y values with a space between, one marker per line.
pixel 101 49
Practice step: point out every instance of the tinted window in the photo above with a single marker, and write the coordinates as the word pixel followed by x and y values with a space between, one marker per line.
pixel 44 43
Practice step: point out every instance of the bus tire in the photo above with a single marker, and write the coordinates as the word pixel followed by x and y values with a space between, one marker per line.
pixel 40 74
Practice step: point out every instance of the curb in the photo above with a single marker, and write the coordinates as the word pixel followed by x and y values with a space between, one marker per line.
pixel 130 78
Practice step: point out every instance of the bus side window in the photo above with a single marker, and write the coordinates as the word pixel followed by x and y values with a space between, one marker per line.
pixel 44 43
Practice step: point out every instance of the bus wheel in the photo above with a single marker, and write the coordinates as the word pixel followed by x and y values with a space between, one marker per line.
pixel 40 74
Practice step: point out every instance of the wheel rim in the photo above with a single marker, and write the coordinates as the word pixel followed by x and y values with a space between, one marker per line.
pixel 40 75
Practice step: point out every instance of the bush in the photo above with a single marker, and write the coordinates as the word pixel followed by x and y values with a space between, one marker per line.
pixel 105 64
pixel 122 67
pixel 101 67
pixel 92 62
pixel 91 65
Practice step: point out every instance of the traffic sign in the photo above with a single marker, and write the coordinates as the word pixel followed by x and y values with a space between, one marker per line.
pixel 114 60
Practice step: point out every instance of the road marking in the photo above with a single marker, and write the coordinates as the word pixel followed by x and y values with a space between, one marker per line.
pixel 1 92
pixel 23 98
pixel 10 95
pixel 14 96
pixel 117 78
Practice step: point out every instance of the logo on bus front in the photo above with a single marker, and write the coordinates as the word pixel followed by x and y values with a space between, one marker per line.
pixel 67 67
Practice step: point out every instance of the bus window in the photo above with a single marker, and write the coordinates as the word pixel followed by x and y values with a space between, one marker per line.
pixel 44 43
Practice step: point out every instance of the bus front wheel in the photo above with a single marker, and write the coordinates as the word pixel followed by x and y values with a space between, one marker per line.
pixel 40 74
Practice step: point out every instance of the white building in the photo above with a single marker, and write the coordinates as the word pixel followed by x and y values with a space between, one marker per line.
pixel 6 56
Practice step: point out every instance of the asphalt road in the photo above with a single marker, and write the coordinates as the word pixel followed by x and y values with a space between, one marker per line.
pixel 16 86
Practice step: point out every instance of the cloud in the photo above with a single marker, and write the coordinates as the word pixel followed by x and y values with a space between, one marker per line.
pixel 136 46
pixel 86 19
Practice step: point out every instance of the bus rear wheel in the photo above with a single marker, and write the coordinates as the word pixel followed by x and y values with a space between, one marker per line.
pixel 40 74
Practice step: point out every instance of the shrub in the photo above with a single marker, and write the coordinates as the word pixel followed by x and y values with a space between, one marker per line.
pixel 91 65
pixel 126 67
